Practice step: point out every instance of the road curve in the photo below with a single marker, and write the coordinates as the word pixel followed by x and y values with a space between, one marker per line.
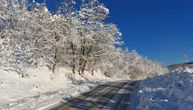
pixel 111 96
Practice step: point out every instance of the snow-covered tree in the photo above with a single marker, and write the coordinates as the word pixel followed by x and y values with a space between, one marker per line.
pixel 95 37
pixel 31 36
pixel 13 36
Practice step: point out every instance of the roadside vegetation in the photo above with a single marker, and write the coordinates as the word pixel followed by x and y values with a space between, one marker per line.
pixel 75 36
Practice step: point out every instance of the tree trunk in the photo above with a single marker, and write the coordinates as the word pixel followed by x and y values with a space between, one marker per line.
pixel 83 66
pixel 82 59
pixel 92 71
pixel 80 66
pixel 53 68
pixel 57 38
pixel 55 61
pixel 73 65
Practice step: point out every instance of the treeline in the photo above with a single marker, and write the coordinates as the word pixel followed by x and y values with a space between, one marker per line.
pixel 79 38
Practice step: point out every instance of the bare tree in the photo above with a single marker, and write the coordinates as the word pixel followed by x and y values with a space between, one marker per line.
pixel 76 37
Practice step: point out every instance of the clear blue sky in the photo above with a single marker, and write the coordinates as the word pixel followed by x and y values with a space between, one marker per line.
pixel 158 29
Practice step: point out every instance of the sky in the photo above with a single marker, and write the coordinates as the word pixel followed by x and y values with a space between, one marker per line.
pixel 161 30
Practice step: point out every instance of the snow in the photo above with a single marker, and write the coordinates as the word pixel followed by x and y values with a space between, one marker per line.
pixel 35 37
pixel 39 90
pixel 173 91
pixel 181 69
pixel 189 70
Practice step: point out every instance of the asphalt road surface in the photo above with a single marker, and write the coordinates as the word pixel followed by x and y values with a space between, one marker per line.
pixel 111 96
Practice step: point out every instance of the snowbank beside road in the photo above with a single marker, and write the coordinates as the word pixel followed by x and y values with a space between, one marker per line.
pixel 38 89
pixel 172 91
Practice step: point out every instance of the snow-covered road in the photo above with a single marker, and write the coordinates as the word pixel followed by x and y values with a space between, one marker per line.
pixel 111 96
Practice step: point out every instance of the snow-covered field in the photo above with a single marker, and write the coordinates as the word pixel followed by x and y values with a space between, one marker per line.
pixel 173 91
pixel 39 90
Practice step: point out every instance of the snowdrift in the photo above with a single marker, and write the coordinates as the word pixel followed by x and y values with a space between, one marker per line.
pixel 173 91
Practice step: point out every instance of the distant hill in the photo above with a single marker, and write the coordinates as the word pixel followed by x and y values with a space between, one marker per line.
pixel 184 67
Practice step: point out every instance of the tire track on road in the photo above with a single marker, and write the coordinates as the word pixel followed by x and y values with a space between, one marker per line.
pixel 100 97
